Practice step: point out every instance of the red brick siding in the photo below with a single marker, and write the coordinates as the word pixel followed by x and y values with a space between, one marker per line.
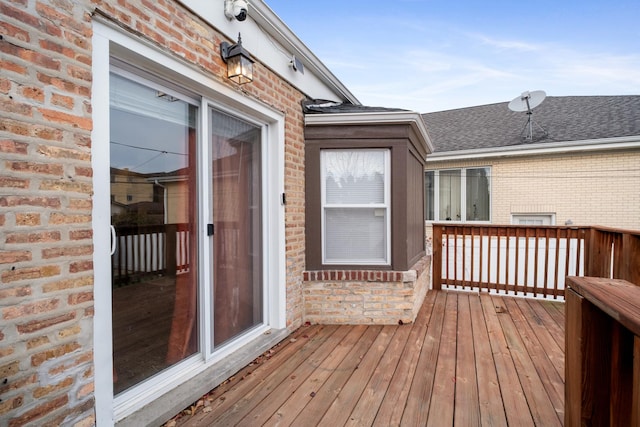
pixel 46 266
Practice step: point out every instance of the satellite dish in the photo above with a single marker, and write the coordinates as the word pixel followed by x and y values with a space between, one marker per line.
pixel 526 102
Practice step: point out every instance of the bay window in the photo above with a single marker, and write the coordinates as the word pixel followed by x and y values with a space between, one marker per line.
pixel 364 190
pixel 462 195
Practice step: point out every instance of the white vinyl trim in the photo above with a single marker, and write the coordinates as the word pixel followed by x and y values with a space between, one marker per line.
pixel 103 347
pixel 602 144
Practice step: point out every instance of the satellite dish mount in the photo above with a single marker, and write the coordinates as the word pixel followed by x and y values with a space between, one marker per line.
pixel 526 102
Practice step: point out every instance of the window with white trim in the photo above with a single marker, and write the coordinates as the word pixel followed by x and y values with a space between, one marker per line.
pixel 355 206
pixel 533 219
pixel 462 195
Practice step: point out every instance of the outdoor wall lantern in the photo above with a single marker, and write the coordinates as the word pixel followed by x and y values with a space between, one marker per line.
pixel 239 63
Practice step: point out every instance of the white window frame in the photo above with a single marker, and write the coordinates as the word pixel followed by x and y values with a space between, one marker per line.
pixel 463 195
pixel 386 205
pixel 108 41
pixel 546 218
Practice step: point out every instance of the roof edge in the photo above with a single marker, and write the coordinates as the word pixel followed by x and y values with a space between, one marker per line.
pixel 616 143
pixel 274 26
pixel 375 118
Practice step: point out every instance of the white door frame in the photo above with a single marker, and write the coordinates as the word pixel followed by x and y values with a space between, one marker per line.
pixel 108 41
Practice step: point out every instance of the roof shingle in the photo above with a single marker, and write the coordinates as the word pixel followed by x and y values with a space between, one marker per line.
pixel 565 118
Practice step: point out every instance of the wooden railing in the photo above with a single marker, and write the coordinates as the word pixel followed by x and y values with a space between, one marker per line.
pixel 142 251
pixel 602 349
pixel 530 260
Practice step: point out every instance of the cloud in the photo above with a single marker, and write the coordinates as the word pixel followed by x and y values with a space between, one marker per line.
pixel 600 69
pixel 463 70
pixel 515 45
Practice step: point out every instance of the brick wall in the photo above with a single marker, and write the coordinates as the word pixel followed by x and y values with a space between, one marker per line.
pixel 588 189
pixel 46 271
pixel 46 293
pixel 366 296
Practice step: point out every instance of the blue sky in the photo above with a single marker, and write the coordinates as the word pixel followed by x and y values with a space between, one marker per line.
pixel 433 55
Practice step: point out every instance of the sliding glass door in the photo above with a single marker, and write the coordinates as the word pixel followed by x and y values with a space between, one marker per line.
pixel 156 193
pixel 153 139
pixel 237 222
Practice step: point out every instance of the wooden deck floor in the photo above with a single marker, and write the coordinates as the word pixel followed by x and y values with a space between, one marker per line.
pixel 468 360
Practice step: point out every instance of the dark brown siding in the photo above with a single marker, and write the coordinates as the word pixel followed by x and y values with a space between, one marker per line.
pixel 407 188
pixel 415 208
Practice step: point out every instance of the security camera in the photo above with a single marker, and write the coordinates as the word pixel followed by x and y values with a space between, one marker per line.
pixel 236 9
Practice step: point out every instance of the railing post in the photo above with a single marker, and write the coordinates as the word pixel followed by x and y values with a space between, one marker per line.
pixel 627 254
pixel 170 243
pixel 598 256
pixel 436 258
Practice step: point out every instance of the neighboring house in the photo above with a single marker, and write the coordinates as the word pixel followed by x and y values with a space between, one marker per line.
pixel 161 226
pixel 581 166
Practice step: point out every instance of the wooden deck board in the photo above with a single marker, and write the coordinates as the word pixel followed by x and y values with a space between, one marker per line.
pixel 553 349
pixel 513 398
pixel 540 405
pixel 234 404
pixel 539 353
pixel 418 393
pixel 367 407
pixel 468 360
pixel 309 389
pixel 393 404
pixel 341 408
pixel 489 397
pixel 441 409
pixel 286 385
pixel 331 390
pixel 556 311
pixel 549 322
pixel 467 403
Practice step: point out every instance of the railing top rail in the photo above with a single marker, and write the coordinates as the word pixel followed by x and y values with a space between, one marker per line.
pixel 512 226
pixel 615 230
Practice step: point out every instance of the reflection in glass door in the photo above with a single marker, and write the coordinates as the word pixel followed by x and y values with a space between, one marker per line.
pixel 153 205
pixel 237 218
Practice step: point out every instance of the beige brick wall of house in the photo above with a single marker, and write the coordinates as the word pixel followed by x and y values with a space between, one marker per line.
pixel 46 271
pixel 588 189
pixel 370 297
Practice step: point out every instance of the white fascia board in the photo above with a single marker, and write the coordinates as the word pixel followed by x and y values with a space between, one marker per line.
pixel 374 118
pixel 268 39
pixel 601 144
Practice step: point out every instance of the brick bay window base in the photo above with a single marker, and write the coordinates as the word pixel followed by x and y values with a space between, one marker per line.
pixel 367 297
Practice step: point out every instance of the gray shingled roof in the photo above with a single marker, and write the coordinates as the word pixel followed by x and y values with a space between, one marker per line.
pixel 565 118
pixel 322 106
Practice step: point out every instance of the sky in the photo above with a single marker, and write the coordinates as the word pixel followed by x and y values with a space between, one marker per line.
pixel 436 55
